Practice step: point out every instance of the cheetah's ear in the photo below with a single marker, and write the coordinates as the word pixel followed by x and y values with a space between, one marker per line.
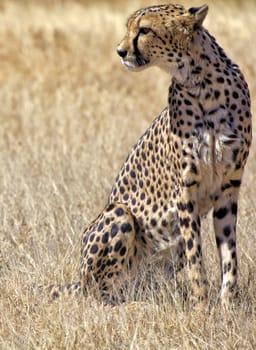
pixel 198 14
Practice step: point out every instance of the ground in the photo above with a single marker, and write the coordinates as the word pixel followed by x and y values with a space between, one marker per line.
pixel 69 114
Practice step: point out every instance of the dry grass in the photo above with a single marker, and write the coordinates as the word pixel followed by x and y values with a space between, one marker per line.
pixel 69 114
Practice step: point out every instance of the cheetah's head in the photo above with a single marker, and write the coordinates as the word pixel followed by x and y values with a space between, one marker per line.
pixel 160 36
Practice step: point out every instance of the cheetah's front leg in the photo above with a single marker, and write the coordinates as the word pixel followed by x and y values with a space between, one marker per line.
pixel 225 217
pixel 108 252
pixel 190 227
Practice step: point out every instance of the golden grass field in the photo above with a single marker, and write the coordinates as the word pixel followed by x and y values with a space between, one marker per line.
pixel 69 113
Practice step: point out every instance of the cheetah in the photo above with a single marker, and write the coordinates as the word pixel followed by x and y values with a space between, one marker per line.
pixel 189 161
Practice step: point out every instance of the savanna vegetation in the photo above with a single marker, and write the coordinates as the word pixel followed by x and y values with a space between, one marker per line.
pixel 69 113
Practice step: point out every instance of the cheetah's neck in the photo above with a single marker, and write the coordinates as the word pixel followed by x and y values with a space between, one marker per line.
pixel 204 60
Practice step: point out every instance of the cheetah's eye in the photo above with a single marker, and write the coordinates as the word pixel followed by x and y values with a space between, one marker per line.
pixel 144 30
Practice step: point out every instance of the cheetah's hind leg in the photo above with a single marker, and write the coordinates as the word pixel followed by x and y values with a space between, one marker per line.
pixel 109 253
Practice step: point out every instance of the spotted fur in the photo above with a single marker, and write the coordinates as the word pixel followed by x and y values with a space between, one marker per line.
pixel 190 160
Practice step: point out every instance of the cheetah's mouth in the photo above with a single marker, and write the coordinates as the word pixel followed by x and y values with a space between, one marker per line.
pixel 135 63
pixel 141 61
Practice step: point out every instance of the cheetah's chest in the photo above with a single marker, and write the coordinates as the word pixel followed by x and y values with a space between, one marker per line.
pixel 212 153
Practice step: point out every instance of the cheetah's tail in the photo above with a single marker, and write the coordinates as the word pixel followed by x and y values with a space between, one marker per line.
pixel 56 291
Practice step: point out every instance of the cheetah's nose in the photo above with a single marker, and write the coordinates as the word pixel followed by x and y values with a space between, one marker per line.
pixel 121 53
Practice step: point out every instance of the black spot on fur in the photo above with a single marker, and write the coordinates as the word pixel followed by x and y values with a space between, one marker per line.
pixel 126 227
pixel 220 213
pixel 227 231
pixel 118 245
pixel 94 249
pixel 190 244
pixel 105 238
pixel 114 230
